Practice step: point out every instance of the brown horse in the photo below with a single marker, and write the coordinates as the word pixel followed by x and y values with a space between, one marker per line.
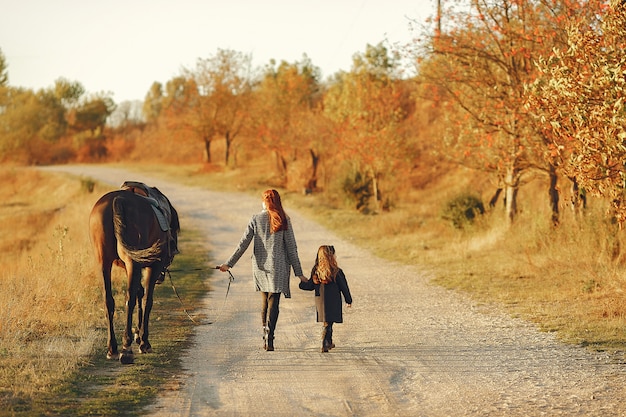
pixel 126 231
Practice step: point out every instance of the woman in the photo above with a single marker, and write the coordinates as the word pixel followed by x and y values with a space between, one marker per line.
pixel 275 253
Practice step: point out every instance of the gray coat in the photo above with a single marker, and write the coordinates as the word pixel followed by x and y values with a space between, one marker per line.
pixel 273 255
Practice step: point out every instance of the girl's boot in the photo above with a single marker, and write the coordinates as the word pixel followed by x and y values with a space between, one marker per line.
pixel 326 333
pixel 329 336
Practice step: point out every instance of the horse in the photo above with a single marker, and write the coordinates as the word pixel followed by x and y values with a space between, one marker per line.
pixel 127 231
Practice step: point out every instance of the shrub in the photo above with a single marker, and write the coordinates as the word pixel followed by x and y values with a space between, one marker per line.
pixel 462 210
pixel 358 188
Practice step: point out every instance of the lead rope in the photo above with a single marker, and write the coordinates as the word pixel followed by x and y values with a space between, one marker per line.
pixel 231 278
pixel 178 296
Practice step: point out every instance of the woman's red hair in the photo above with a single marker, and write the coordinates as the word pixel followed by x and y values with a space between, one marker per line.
pixel 278 218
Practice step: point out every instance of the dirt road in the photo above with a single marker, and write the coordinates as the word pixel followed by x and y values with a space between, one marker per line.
pixel 406 347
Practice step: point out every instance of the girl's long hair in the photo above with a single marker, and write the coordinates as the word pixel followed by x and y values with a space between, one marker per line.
pixel 325 269
pixel 278 218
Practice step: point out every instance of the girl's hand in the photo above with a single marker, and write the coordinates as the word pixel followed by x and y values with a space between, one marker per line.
pixel 224 267
pixel 303 278
pixel 348 305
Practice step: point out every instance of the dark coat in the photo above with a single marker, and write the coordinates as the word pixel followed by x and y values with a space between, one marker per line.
pixel 328 297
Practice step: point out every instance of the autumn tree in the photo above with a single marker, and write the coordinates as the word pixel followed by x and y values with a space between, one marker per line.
pixel 30 120
pixel 366 105
pixel 90 115
pixel 478 64
pixel 580 101
pixel 181 112
pixel 153 103
pixel 282 102
pixel 224 85
pixel 4 71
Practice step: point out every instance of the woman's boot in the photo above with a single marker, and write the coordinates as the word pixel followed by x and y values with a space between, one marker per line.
pixel 265 330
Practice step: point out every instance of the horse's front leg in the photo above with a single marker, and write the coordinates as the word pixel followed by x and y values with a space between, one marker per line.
pixel 152 273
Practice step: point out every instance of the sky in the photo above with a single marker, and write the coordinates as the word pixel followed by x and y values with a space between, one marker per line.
pixel 121 47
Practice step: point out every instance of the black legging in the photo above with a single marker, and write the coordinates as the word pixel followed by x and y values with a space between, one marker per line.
pixel 270 302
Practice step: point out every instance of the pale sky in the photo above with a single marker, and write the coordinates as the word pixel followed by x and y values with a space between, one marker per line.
pixel 123 46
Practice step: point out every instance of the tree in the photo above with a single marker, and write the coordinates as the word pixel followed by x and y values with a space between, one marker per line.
pixel 366 106
pixel 153 103
pixel 181 112
pixel 479 67
pixel 580 101
pixel 283 100
pixel 224 84
pixel 30 119
pixel 4 71
pixel 69 92
pixel 91 114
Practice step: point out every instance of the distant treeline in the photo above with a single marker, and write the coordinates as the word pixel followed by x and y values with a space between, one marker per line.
pixel 516 90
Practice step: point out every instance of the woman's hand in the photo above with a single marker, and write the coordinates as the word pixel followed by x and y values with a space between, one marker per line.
pixel 303 278
pixel 224 267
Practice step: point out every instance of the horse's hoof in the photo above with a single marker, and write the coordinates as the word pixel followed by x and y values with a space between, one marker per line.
pixel 145 349
pixel 114 356
pixel 127 358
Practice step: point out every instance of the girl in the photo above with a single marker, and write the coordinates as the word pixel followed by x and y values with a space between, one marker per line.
pixel 329 283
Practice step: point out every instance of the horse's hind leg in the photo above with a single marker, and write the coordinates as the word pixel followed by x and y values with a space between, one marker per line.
pixel 133 273
pixel 151 277
pixel 140 294
pixel 112 352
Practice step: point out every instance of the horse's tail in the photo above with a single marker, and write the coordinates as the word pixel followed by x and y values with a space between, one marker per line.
pixel 144 256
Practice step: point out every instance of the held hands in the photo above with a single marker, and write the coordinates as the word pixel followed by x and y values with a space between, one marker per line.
pixel 224 267
pixel 303 278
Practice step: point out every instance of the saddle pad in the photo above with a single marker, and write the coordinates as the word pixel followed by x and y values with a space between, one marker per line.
pixel 163 222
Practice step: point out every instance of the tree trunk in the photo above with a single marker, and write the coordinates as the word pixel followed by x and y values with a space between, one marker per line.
pixel 227 148
pixel 281 164
pixel 311 184
pixel 376 189
pixel 494 199
pixel 578 199
pixel 511 188
pixel 207 150
pixel 554 195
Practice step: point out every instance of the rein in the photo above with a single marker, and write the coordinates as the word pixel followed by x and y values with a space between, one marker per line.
pixel 231 278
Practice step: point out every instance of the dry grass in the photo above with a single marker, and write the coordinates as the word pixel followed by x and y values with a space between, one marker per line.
pixel 49 294
pixel 566 280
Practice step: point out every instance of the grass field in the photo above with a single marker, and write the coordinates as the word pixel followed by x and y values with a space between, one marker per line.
pixel 52 320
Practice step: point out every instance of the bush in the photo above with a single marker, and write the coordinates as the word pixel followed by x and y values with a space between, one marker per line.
pixel 358 188
pixel 463 210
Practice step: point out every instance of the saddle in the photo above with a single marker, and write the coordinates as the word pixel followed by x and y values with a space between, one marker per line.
pixel 159 203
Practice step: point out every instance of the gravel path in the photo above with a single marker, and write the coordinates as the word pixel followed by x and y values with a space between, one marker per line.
pixel 406 347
